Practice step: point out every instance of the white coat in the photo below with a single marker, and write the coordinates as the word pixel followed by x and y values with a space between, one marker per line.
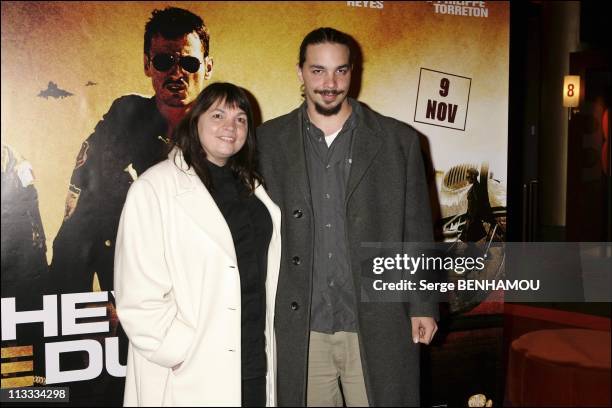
pixel 177 290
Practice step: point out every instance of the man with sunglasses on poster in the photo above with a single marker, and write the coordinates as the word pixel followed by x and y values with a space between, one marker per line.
pixel 131 137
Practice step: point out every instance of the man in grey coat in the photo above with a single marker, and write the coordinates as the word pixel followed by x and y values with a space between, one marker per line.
pixel 342 175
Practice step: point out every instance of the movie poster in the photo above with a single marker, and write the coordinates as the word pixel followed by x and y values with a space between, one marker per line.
pixel 441 67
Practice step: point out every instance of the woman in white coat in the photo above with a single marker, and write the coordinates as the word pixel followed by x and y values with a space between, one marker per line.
pixel 196 266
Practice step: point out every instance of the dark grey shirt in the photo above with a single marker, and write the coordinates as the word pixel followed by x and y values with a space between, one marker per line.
pixel 333 306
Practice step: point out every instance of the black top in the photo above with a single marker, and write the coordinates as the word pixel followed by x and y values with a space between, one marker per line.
pixel 333 306
pixel 251 227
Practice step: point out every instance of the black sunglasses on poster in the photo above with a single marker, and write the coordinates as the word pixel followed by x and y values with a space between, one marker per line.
pixel 164 62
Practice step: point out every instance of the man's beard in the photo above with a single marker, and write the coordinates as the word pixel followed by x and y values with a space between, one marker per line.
pixel 322 110
pixel 328 111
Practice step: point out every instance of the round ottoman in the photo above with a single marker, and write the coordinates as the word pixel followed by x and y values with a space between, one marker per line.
pixel 564 367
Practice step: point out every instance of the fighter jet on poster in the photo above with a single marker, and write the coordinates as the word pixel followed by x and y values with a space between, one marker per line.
pixel 54 92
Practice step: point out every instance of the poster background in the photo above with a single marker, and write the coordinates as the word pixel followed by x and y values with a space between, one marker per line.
pixel 254 45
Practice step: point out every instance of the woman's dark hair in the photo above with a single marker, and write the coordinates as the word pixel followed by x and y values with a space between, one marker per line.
pixel 186 136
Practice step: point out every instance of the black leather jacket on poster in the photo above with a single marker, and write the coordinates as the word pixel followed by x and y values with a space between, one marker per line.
pixel 127 141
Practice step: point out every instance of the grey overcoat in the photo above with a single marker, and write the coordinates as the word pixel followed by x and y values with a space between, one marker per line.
pixel 386 201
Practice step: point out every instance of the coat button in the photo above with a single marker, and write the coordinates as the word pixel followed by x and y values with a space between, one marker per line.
pixel 296 260
pixel 108 243
pixel 297 213
pixel 295 306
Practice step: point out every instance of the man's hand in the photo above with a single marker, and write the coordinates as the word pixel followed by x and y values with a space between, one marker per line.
pixel 423 329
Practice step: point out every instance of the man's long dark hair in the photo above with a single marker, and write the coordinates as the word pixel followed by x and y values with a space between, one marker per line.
pixel 323 35
pixel 186 136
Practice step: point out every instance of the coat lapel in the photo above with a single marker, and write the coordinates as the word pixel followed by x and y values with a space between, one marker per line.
pixel 293 142
pixel 366 143
pixel 275 213
pixel 197 202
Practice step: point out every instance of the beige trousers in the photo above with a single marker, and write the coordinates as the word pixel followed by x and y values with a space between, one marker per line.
pixel 334 359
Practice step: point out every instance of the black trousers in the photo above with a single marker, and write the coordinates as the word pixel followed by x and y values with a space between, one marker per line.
pixel 254 392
